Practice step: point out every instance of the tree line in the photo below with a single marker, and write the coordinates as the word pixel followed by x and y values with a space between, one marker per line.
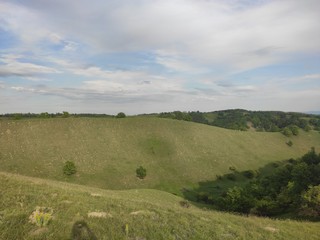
pixel 288 123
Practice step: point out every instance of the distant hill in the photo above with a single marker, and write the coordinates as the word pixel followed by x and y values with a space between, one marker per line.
pixel 107 151
pixel 314 112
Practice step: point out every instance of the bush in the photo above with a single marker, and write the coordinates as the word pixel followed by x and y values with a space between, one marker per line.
pixel 69 168
pixel 289 143
pixel 184 204
pixel 203 197
pixel 294 130
pixel 141 172
pixel 232 168
pixel 287 132
pixel 249 174
pixel 121 115
pixel 231 176
pixel 219 177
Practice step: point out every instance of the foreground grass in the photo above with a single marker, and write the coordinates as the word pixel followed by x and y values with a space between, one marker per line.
pixel 148 214
pixel 106 152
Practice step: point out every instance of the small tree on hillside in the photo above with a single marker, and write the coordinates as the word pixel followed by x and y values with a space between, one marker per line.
pixel 287 132
pixel 69 168
pixel 141 172
pixel 294 130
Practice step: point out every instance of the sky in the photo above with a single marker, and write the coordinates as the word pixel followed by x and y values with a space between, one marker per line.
pixel 146 56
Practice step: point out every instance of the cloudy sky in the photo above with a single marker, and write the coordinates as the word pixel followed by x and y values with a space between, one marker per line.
pixel 142 56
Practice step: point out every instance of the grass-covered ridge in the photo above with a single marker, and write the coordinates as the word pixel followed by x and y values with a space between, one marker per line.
pixel 107 151
pixel 146 214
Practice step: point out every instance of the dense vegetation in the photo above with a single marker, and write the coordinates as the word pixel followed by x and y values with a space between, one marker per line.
pixel 238 119
pixel 293 187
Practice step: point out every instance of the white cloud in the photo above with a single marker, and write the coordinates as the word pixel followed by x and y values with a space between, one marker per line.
pixel 311 76
pixel 13 67
pixel 199 43
pixel 231 33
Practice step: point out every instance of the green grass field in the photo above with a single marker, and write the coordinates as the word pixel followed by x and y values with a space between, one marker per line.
pixel 148 214
pixel 111 201
pixel 107 151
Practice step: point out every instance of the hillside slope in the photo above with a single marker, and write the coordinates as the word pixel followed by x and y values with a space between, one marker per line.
pixel 107 151
pixel 130 214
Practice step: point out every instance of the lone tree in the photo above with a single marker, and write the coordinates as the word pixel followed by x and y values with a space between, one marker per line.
pixel 69 168
pixel 141 172
pixel 121 115
pixel 65 114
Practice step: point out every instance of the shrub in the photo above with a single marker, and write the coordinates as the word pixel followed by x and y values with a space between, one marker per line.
pixel 249 174
pixel 287 132
pixel 294 130
pixel 289 143
pixel 69 168
pixel 41 216
pixel 232 168
pixel 184 204
pixel 203 197
pixel 141 172
pixel 292 161
pixel 231 176
pixel 219 177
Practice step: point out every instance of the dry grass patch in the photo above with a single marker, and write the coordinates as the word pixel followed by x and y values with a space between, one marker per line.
pixel 99 215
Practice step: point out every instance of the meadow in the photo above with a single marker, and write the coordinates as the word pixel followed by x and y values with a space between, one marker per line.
pixel 107 151
pixel 107 199
pixel 131 214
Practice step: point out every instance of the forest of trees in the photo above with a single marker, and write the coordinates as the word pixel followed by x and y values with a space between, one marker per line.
pixel 292 188
pixel 238 119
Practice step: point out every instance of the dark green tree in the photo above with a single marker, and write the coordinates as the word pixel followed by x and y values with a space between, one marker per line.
pixel 69 168
pixel 121 115
pixel 311 201
pixel 141 172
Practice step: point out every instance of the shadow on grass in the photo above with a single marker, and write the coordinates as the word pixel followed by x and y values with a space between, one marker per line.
pixel 81 231
pixel 207 195
pixel 207 191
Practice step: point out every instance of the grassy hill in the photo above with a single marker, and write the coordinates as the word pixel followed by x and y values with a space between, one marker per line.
pixel 107 151
pixel 128 214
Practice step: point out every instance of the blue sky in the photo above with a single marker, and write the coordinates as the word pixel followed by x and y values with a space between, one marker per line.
pixel 148 56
